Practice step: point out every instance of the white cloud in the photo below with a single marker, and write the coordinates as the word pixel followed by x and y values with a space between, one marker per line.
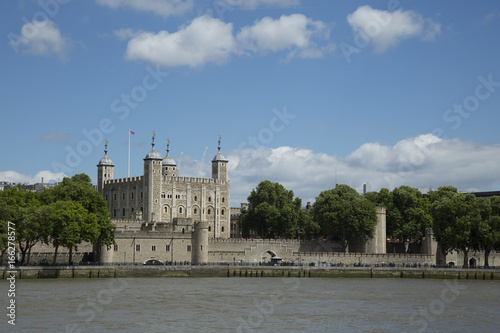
pixel 252 4
pixel 163 8
pixel 43 38
pixel 386 29
pixel 127 33
pixel 203 40
pixel 289 32
pixel 490 17
pixel 422 162
pixel 16 177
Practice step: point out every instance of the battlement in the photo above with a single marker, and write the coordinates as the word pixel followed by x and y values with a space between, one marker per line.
pixel 192 180
pixel 123 180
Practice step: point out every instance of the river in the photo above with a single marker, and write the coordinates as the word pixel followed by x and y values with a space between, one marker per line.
pixel 253 305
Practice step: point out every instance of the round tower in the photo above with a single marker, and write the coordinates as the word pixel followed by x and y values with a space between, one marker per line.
pixel 152 184
pixel 200 243
pixel 104 169
pixel 169 167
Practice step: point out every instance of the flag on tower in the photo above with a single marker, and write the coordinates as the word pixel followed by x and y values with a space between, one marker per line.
pixel 131 132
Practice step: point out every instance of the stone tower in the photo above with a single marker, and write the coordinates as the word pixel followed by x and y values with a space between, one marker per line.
pixel 378 243
pixel 104 170
pixel 200 243
pixel 152 184
pixel 219 165
pixel 169 167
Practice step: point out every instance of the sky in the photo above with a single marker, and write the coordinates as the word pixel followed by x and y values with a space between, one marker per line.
pixel 305 93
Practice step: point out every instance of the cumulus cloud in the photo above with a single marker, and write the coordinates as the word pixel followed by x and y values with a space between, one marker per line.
pixel 210 40
pixel 204 40
pixel 386 29
pixel 163 8
pixel 55 136
pixel 16 177
pixel 289 32
pixel 425 161
pixel 42 38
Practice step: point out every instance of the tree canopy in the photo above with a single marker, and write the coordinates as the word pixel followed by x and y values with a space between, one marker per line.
pixel 342 213
pixel 273 212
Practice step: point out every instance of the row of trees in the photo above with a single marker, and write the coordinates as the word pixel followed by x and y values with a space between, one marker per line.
pixel 66 215
pixel 459 221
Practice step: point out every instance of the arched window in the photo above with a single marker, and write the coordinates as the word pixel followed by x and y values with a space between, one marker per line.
pixel 132 209
pixel 208 211
pixel 195 198
pixel 195 211
pixel 209 199
pixel 180 210
pixel 183 231
pixel 123 212
pixel 209 228
pixel 222 212
pixel 165 209
pixel 222 229
pixel 222 199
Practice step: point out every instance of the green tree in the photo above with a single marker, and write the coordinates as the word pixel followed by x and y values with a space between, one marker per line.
pixel 308 228
pixel 488 230
pixel 456 217
pixel 71 224
pixel 20 207
pixel 272 212
pixel 79 189
pixel 409 214
pixel 4 242
pixel 343 213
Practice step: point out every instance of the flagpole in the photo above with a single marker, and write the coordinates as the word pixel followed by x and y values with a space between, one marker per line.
pixel 128 173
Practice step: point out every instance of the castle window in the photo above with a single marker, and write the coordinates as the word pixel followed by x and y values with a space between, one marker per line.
pixel 137 247
pixel 177 196
pixel 209 228
pixel 156 201
pixel 195 198
pixel 165 209
pixel 195 211
pixel 169 196
pixel 183 231
pixel 222 199
pixel 115 248
pixel 132 209
pixel 163 195
pixel 167 248
pixel 153 248
pixel 208 211
pixel 132 195
pixel 141 209
pixel 180 210
pixel 189 248
pixel 222 229
pixel 209 199
pixel 114 196
pixel 123 196
pixel 222 212
pixel 123 212
pixel 114 212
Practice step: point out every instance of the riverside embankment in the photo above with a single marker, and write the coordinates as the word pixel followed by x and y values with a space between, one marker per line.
pixel 41 272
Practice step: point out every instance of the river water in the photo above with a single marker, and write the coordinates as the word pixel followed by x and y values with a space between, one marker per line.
pixel 253 305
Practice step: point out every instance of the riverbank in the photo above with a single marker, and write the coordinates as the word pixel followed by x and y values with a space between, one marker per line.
pixel 41 272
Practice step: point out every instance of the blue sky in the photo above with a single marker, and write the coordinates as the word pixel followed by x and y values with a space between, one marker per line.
pixel 305 93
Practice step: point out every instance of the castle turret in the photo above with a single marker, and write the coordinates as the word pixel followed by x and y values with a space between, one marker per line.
pixel 169 167
pixel 219 165
pixel 152 184
pixel 200 243
pixel 104 169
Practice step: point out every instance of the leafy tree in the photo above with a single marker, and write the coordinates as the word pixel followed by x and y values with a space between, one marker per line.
pixel 20 207
pixel 272 212
pixel 343 213
pixel 409 215
pixel 489 227
pixel 71 224
pixel 308 228
pixel 79 189
pixel 456 218
pixel 4 242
